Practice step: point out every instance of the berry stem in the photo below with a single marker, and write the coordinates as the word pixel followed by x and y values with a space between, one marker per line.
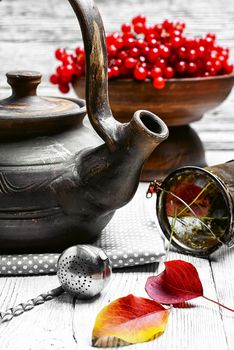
pixel 216 302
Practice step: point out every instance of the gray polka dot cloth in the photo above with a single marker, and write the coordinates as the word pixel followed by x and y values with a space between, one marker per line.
pixel 131 238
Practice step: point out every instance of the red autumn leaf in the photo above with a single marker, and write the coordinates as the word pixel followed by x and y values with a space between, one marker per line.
pixel 129 319
pixel 179 282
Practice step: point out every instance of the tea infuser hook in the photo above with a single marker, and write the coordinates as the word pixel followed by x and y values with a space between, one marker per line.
pixel 83 272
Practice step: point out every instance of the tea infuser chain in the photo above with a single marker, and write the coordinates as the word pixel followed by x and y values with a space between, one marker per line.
pixel 30 304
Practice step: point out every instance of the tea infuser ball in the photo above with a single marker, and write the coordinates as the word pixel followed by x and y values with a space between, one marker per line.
pixel 83 272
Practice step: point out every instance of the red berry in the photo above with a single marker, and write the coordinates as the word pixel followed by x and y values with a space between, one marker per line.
pixel 176 41
pixel 208 42
pixel 175 33
pixel 112 51
pixel 64 88
pixel 191 68
pixel 200 51
pixel 122 55
pixel 146 50
pixel 161 63
pixel 168 72
pixel 182 52
pixel 190 43
pixel 126 28
pixel 141 44
pixel 159 83
pixel 211 35
pixel 128 35
pixel 140 73
pixel 67 59
pixel 217 65
pixel 153 42
pixel 115 71
pixel 213 55
pixel 180 26
pixel 153 54
pixel 139 28
pixel 192 55
pixel 119 43
pixel 118 62
pixel 129 42
pixel 59 53
pixel 54 79
pixel 134 52
pixel 81 59
pixel 222 59
pixel 164 51
pixel 225 53
pixel 181 66
pixel 67 73
pixel 156 72
pixel 212 71
pixel 139 19
pixel 78 70
pixel 78 50
pixel 158 28
pixel 228 68
pixel 59 70
pixel 167 24
pixel 130 62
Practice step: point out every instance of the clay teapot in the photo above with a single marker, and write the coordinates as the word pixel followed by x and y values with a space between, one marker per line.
pixel 60 183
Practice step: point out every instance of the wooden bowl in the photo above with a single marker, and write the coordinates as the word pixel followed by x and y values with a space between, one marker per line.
pixel 181 102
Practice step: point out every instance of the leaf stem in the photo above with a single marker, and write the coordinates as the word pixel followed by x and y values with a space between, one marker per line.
pixel 216 302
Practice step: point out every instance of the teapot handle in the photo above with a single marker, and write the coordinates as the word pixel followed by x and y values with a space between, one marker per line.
pixel 97 101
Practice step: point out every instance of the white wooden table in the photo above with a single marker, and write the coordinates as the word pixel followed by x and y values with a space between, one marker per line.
pixel 29 33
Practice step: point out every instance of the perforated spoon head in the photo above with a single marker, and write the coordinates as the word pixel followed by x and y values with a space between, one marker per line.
pixel 83 271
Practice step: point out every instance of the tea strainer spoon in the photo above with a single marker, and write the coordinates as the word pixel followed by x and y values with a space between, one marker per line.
pixel 83 272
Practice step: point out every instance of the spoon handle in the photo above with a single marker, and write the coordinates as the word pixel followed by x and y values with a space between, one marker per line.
pixel 21 308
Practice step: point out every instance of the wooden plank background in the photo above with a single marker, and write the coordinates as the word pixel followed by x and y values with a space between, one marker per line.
pixel 30 31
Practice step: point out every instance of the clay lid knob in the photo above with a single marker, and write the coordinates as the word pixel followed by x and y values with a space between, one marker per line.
pixel 23 83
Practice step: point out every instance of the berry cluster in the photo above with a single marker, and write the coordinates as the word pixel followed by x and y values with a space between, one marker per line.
pixel 156 53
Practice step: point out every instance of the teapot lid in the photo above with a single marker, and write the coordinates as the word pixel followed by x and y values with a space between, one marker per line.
pixel 26 114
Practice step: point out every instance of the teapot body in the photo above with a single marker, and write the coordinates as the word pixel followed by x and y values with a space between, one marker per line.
pixel 33 173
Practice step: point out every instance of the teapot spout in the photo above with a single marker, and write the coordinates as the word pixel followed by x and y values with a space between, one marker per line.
pixel 143 134
pixel 139 139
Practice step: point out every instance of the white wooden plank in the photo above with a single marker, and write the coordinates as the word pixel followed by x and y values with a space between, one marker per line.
pixel 47 326
pixel 222 267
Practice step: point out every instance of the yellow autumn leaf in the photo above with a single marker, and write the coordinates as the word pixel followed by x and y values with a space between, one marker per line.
pixel 130 319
